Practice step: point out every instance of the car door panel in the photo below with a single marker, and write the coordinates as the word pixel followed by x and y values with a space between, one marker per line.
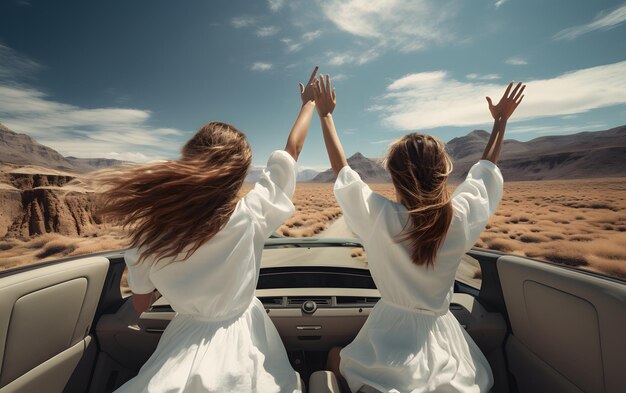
pixel 567 327
pixel 47 315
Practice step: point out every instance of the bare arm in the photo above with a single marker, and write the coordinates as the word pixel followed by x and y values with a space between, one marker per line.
pixel 501 113
pixel 494 146
pixel 300 128
pixel 325 101
pixel 142 302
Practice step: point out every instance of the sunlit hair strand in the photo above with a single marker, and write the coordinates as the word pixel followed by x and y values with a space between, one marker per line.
pixel 175 206
pixel 419 168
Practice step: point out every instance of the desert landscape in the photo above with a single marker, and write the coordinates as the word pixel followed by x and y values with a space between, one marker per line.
pixel 579 223
pixel 48 211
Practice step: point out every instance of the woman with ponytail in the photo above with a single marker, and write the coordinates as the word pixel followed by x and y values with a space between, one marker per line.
pixel 411 342
pixel 200 246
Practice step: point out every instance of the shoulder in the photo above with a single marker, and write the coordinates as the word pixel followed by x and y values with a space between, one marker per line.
pixel 281 158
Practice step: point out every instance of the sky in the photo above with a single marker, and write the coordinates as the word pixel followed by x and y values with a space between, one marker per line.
pixel 134 80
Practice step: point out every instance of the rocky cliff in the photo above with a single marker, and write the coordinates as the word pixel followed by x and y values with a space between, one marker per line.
pixel 37 203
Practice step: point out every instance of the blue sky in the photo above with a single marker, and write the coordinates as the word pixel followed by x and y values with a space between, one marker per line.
pixel 134 79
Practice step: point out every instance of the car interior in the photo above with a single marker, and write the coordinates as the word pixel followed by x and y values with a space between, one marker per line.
pixel 66 327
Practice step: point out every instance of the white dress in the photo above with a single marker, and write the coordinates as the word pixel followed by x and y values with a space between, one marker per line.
pixel 411 342
pixel 221 339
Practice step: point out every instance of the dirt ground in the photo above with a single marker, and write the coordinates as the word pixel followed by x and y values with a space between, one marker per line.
pixel 580 223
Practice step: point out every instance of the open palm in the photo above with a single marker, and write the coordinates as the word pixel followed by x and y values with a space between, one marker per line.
pixel 508 103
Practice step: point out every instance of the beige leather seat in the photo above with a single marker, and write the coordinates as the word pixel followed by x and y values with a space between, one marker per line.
pixel 326 382
pixel 323 382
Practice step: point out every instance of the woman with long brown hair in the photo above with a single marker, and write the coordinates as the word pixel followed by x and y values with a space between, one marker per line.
pixel 411 342
pixel 200 245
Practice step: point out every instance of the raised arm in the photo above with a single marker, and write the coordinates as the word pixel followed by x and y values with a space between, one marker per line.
pixel 296 138
pixel 325 101
pixel 501 113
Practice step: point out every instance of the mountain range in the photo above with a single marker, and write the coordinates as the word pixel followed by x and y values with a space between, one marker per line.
pixel 575 156
pixel 370 170
pixel 21 149
pixel 581 155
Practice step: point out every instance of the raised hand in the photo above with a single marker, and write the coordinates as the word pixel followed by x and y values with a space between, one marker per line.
pixel 508 103
pixel 306 92
pixel 300 128
pixel 325 98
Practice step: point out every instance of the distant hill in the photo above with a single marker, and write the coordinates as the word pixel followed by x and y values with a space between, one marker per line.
pixel 582 155
pixel 307 175
pixel 369 169
pixel 303 175
pixel 21 149
pixel 574 156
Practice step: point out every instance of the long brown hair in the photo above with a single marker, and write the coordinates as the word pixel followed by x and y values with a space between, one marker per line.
pixel 419 168
pixel 178 203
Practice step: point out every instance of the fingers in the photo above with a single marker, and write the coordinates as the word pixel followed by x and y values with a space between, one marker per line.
pixel 489 101
pixel 519 93
pixel 508 89
pixel 335 96
pixel 514 93
pixel 328 90
pixel 316 94
pixel 320 82
pixel 318 87
pixel 519 101
pixel 301 88
pixel 312 78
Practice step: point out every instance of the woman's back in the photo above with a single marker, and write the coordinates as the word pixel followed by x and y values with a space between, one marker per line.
pixel 379 222
pixel 221 338
pixel 411 342
pixel 224 267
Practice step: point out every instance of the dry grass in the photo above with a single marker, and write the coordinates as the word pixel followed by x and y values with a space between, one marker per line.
pixel 574 222
pixel 50 246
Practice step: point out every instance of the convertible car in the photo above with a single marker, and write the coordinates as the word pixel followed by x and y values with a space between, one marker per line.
pixel 66 326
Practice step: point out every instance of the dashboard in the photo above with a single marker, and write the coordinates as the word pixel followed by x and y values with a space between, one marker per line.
pixel 318 307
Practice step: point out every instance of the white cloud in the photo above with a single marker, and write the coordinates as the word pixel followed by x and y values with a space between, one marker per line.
pixel 339 77
pixel 291 45
pixel 500 2
pixel 239 22
pixel 603 21
pixel 434 99
pixel 352 57
pixel 275 5
pixel 260 66
pixel 403 25
pixel 311 35
pixel 516 60
pixel 486 77
pixel 267 31
pixel 14 66
pixel 75 130
pixel 294 46
pixel 382 141
pixel 133 156
pixel 82 132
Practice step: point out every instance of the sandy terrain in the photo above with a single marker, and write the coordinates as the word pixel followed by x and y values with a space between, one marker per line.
pixel 580 223
pixel 575 222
